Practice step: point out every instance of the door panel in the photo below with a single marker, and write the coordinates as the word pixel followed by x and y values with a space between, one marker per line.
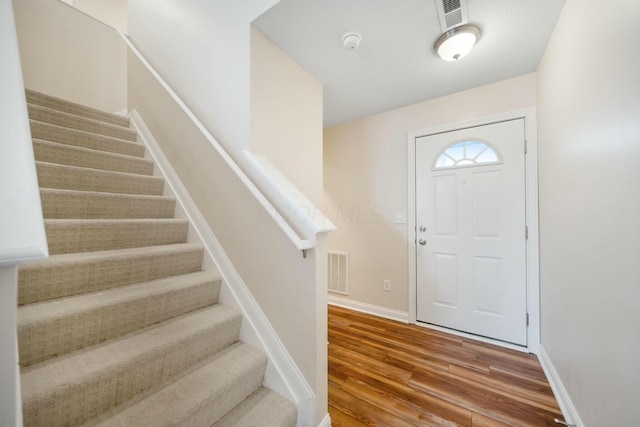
pixel 446 280
pixel 470 199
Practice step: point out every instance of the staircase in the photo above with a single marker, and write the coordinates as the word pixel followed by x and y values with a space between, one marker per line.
pixel 120 326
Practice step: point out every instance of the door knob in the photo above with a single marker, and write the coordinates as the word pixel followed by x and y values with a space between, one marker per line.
pixel 422 242
pixel 422 228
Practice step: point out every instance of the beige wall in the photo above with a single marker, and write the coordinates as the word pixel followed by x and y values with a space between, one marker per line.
pixel 589 157
pixel 279 278
pixel 112 12
pixel 286 116
pixel 365 178
pixel 64 54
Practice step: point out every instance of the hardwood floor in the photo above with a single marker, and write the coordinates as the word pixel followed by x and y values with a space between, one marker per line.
pixel 386 373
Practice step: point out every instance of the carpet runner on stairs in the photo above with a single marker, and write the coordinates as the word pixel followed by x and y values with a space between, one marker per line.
pixel 121 326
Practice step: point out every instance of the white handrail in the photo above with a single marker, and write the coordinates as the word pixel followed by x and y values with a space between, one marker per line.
pixel 290 201
pixel 300 243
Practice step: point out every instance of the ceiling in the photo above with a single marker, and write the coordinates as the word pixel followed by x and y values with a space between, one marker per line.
pixel 395 64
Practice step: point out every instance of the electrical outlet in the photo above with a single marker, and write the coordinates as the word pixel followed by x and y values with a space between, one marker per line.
pixel 387 285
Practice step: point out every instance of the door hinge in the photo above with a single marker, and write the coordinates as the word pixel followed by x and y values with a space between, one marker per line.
pixel 526 232
pixel 527 319
pixel 525 146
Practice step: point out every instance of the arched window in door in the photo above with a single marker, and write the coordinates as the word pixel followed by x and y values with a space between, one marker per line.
pixel 467 153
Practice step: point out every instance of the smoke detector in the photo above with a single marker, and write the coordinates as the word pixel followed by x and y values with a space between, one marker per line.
pixel 351 40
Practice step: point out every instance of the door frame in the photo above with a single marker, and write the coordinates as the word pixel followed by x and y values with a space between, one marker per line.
pixel 531 218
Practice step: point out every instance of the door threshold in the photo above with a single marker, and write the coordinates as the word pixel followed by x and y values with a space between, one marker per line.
pixel 498 343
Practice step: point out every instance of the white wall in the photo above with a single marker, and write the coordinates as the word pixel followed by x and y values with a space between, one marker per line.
pixel 22 235
pixel 112 12
pixel 202 49
pixel 589 154
pixel 286 116
pixel 365 177
pixel 64 54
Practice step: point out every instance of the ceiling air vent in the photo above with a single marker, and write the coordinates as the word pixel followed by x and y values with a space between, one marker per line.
pixel 450 5
pixel 451 13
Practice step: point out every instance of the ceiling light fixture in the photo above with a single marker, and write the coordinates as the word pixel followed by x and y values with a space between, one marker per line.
pixel 457 42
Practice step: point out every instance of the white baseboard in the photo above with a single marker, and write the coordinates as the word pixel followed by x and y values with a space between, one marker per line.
pixel 282 375
pixel 387 313
pixel 566 405
pixel 326 421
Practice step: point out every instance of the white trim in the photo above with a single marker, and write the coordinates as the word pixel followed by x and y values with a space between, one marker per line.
pixel 282 375
pixel 569 411
pixel 363 307
pixel 302 244
pixel 531 182
pixel 326 421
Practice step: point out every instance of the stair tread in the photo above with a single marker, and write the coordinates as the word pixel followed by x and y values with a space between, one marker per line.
pixel 82 257
pixel 50 101
pixel 67 204
pixel 87 193
pixel 108 313
pixel 112 221
pixel 264 408
pixel 72 121
pixel 68 306
pixel 63 275
pixel 51 132
pixel 65 371
pixel 195 398
pixel 84 235
pixel 127 183
pixel 71 155
pixel 99 171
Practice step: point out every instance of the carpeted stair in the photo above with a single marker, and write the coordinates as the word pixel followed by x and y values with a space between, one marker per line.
pixel 120 326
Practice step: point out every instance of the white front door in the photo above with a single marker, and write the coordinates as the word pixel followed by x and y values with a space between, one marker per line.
pixel 470 229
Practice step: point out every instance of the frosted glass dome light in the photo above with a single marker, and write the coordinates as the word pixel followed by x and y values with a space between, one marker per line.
pixel 457 42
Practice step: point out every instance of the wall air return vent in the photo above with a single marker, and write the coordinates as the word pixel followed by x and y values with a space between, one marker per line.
pixel 338 264
pixel 451 13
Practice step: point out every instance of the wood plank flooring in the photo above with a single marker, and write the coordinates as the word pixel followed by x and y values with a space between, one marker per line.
pixel 386 373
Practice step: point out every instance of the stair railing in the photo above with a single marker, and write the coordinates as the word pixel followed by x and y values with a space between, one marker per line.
pixel 291 203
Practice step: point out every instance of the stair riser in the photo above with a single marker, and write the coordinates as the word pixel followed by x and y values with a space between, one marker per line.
pixel 59 278
pixel 73 108
pixel 218 404
pixel 75 122
pixel 71 236
pixel 62 135
pixel 63 205
pixel 77 402
pixel 72 178
pixel 67 155
pixel 261 406
pixel 59 335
